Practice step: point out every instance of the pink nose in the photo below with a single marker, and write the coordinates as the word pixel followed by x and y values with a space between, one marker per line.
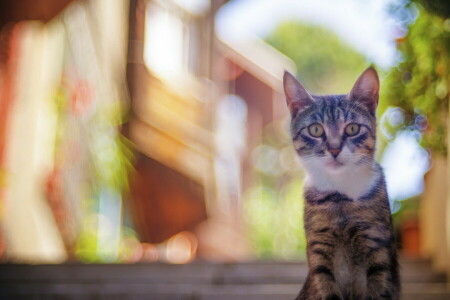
pixel 335 152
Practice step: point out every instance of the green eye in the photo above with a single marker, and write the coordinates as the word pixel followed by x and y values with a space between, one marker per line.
pixel 352 129
pixel 316 130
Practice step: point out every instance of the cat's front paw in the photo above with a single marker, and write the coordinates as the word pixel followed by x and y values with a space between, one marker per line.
pixel 331 293
pixel 333 297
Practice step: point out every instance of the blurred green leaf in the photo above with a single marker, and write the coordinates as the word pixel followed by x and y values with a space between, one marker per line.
pixel 325 63
pixel 420 82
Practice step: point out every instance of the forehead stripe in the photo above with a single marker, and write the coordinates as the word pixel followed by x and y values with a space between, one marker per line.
pixel 332 109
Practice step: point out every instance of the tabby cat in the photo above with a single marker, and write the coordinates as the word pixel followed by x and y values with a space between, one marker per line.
pixel 350 242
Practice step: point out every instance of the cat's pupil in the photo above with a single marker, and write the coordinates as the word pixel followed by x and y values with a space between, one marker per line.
pixel 352 129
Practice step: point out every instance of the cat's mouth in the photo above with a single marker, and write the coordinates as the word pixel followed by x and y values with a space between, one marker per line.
pixel 334 163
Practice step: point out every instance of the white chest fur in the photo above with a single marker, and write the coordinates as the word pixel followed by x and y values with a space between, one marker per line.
pixel 353 182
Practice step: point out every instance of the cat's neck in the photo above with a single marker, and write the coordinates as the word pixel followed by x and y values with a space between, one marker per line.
pixel 353 183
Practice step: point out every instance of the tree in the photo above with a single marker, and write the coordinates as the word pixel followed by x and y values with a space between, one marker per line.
pixel 420 83
pixel 325 63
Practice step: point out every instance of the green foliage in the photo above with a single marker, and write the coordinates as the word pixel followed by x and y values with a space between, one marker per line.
pixel 106 156
pixel 324 63
pixel 407 209
pixel 438 7
pixel 420 83
pixel 273 208
pixel 276 220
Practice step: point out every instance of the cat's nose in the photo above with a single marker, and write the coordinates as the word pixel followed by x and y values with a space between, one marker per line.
pixel 334 151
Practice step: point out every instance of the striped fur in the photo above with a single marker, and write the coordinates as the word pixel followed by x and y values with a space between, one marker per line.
pixel 350 242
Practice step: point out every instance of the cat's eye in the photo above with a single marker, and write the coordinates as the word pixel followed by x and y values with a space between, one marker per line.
pixel 316 130
pixel 352 129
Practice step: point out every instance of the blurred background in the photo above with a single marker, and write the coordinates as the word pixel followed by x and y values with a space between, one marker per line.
pixel 156 131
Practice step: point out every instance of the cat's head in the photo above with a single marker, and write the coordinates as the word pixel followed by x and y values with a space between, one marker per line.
pixel 334 133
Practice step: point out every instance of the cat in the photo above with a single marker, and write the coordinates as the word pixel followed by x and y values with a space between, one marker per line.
pixel 351 250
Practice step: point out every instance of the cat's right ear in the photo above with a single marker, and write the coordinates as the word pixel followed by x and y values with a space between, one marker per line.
pixel 366 89
pixel 297 97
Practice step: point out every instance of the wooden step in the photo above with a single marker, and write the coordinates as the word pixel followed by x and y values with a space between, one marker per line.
pixel 200 280
pixel 99 290
pixel 239 273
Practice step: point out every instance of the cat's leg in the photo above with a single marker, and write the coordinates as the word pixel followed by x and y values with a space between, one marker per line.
pixel 306 290
pixel 380 263
pixel 322 278
pixel 382 277
pixel 310 292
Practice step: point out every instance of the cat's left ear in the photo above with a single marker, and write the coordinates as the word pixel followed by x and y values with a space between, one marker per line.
pixel 366 89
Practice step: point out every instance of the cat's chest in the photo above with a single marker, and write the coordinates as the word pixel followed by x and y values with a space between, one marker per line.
pixel 336 211
pixel 341 215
